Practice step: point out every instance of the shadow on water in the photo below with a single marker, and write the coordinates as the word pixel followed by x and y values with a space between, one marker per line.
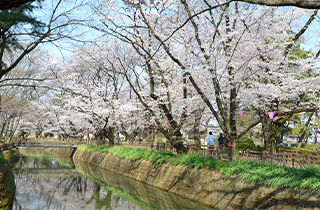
pixel 47 183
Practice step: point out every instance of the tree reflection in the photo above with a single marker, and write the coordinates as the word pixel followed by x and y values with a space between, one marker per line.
pixel 47 187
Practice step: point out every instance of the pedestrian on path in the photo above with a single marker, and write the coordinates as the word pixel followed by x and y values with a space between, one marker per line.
pixel 210 141
pixel 221 141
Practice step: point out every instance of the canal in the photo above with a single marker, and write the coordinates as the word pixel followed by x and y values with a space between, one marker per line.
pixel 48 182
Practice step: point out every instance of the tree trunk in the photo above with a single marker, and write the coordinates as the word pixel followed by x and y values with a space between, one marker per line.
pixel 280 137
pixel 88 138
pixel 196 134
pixel 302 136
pixel 180 148
pixel 14 128
pixel 196 127
pixel 3 127
pixel 5 131
pixel 234 149
pixel 110 135
pixel 233 125
pixel 269 131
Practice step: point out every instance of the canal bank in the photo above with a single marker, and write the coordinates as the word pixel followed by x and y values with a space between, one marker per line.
pixel 7 185
pixel 47 151
pixel 207 186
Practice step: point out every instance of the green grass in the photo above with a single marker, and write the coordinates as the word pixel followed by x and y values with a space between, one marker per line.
pixel 303 150
pixel 138 153
pixel 12 155
pixel 93 148
pixel 310 146
pixel 297 179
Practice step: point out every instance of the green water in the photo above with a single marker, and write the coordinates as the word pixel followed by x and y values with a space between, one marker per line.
pixel 55 183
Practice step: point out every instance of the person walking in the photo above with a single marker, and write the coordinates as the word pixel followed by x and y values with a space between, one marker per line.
pixel 210 141
pixel 221 141
pixel 229 143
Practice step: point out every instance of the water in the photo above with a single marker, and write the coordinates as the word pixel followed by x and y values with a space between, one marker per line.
pixel 55 183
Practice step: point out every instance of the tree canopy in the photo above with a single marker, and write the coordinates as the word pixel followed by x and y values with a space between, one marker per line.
pixel 9 4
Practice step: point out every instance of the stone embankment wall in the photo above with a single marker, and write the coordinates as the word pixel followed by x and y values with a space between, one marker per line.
pixel 204 185
pixel 7 185
pixel 65 152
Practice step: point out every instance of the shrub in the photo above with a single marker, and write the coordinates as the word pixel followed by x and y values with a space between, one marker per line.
pixel 159 140
pixel 246 143
pixel 259 148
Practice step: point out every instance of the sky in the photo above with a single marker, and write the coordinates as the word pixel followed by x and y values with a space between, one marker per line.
pixel 63 48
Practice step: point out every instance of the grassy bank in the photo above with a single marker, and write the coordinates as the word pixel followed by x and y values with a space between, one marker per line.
pixel 297 179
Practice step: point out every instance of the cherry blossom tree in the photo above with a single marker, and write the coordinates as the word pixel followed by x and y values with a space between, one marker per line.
pixel 152 87
pixel 96 94
pixel 291 86
pixel 31 80
pixel 215 48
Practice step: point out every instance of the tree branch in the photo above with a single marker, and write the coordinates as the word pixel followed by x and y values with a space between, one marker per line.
pixel 296 3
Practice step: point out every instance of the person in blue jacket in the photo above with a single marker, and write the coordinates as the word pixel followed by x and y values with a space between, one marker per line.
pixel 210 140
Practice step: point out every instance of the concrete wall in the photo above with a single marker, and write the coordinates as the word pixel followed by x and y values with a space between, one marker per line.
pixel 204 185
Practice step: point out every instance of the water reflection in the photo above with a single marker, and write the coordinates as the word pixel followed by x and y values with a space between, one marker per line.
pixel 46 183
pixel 152 196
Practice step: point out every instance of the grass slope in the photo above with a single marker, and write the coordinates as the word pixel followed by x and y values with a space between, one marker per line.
pixel 297 179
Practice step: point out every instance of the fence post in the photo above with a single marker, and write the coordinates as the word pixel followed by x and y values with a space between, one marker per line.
pixel 264 155
pixel 308 159
pixel 247 151
pixel 318 155
pixel 292 162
